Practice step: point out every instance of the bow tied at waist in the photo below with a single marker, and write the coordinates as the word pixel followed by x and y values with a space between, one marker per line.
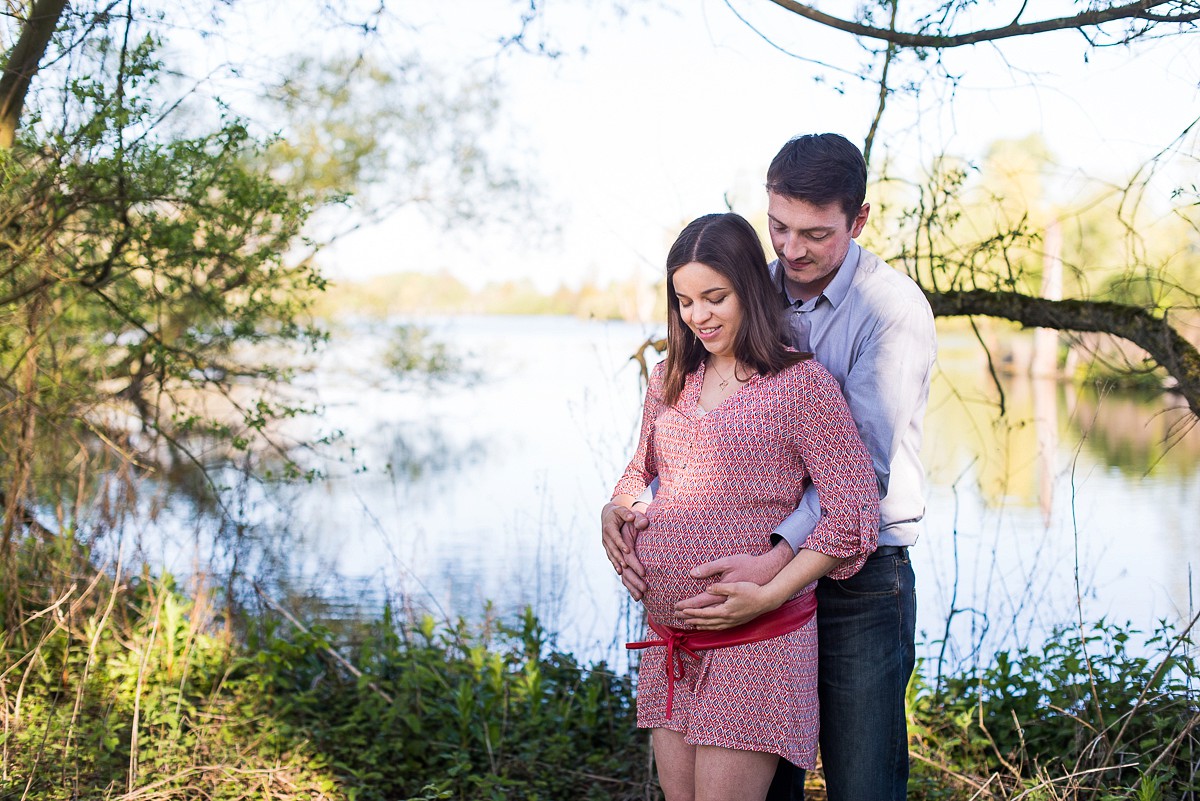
pixel 791 616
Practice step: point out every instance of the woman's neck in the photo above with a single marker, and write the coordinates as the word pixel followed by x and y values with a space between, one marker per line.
pixel 726 364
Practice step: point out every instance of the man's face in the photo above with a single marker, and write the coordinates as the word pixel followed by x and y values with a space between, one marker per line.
pixel 811 241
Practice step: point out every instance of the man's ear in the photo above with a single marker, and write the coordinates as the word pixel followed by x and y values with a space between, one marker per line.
pixel 860 220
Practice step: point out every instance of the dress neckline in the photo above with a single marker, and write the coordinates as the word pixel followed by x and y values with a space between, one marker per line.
pixel 698 411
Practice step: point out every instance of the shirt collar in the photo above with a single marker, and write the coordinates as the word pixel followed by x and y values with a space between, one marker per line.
pixel 838 288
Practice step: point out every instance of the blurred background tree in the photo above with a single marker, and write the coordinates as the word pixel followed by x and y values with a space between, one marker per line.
pixel 158 262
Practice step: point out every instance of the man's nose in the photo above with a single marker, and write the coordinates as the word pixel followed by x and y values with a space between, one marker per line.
pixel 794 248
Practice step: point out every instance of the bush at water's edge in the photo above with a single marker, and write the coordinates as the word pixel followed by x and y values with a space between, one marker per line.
pixel 131 689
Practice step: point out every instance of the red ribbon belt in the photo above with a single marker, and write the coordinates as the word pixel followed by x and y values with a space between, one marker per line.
pixel 792 615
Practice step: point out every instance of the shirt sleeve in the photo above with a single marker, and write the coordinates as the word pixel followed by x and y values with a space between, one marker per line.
pixel 817 421
pixel 800 524
pixel 643 467
pixel 889 379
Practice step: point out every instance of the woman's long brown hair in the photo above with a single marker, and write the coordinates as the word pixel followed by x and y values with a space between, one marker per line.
pixel 727 244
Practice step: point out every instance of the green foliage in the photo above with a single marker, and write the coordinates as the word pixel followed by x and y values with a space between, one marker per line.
pixel 132 689
pixel 123 690
pixel 149 291
pixel 1091 711
pixel 413 353
pixel 482 712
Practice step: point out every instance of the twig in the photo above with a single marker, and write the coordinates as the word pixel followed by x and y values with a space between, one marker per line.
pixel 1036 789
pixel 962 777
pixel 341 660
pixel 131 782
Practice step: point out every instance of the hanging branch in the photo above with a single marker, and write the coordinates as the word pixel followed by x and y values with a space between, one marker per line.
pixel 1144 11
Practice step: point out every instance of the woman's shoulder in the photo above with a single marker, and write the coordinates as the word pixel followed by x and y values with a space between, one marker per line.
pixel 807 373
pixel 654 383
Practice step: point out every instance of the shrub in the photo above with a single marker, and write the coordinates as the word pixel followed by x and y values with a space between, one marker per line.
pixel 1087 716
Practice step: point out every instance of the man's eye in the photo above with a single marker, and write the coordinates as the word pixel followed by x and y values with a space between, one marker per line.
pixel 819 237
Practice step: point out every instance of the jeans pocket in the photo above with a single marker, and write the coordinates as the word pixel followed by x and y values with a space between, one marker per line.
pixel 879 578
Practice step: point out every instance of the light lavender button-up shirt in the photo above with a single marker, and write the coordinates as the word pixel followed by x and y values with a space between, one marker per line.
pixel 872 328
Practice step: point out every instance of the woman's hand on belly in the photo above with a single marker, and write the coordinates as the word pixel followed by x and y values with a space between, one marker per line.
pixel 737 603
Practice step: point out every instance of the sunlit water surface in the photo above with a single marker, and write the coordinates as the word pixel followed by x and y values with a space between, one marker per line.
pixel 443 497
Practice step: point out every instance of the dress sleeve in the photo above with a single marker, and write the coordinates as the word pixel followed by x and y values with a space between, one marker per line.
pixel 643 468
pixel 818 422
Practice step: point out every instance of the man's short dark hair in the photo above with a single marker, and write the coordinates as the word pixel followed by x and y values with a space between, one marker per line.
pixel 820 169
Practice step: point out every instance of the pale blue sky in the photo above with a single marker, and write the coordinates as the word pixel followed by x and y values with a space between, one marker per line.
pixel 679 105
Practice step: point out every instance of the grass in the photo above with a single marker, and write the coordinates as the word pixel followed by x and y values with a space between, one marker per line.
pixel 115 686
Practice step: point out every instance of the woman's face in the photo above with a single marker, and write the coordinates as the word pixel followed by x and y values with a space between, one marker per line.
pixel 708 306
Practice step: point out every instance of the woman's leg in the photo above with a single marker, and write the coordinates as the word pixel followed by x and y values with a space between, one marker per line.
pixel 676 762
pixel 727 774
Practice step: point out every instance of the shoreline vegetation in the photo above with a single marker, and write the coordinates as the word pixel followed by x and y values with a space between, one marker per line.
pixel 124 685
pixel 1010 348
pixel 411 293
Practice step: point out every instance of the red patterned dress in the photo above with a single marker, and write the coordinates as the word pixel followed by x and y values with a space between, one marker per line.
pixel 727 477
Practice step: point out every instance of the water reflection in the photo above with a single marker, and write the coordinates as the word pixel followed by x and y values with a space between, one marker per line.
pixel 441 499
pixel 420 453
pixel 1075 501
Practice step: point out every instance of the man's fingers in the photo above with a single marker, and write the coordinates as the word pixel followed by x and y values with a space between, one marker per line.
pixel 710 569
pixel 640 521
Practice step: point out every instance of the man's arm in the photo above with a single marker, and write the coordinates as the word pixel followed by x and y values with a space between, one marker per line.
pixel 801 523
pixel 740 567
pixel 889 380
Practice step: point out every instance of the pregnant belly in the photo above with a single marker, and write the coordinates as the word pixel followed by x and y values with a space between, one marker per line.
pixel 668 550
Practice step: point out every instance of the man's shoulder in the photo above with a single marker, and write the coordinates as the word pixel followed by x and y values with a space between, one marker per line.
pixel 877 282
pixel 773 271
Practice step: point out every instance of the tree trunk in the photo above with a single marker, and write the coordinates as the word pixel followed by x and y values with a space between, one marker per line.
pixel 23 64
pixel 1155 335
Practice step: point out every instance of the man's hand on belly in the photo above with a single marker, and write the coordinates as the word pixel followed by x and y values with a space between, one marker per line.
pixel 738 567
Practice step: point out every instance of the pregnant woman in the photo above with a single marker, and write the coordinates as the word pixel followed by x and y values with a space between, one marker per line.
pixel 735 426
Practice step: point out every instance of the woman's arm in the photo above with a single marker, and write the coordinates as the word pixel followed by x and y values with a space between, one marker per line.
pixel 620 521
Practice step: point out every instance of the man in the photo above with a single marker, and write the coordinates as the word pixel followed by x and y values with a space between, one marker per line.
pixel 873 329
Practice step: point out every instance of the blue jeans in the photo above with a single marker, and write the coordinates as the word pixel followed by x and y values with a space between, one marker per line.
pixel 866 626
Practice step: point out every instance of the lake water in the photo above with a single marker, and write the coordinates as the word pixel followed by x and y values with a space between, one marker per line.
pixel 446 497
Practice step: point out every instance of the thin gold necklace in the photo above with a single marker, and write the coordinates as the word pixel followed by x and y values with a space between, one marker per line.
pixel 724 381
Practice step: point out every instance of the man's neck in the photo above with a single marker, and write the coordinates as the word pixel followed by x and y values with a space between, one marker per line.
pixel 806 292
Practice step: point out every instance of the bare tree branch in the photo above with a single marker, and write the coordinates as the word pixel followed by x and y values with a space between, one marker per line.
pixel 1155 335
pixel 1150 11
pixel 883 88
